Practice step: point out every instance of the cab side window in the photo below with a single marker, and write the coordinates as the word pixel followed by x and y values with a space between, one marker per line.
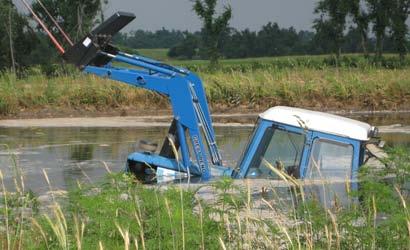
pixel 330 159
pixel 282 150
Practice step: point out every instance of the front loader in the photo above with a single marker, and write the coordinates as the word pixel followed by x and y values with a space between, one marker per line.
pixel 305 144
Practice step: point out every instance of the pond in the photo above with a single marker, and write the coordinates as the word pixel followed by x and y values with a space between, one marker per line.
pixel 71 155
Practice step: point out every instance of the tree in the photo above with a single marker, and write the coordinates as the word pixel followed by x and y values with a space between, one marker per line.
pixel 77 17
pixel 9 30
pixel 240 44
pixel 271 40
pixel 353 41
pixel 332 22
pixel 213 27
pixel 141 39
pixel 379 14
pixel 304 44
pixel 361 19
pixel 399 28
pixel 17 42
pixel 187 49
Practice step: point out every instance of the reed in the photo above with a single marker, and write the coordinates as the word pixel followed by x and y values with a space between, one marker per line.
pixel 128 215
pixel 237 84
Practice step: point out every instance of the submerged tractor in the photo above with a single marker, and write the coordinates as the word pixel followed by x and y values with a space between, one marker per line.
pixel 305 144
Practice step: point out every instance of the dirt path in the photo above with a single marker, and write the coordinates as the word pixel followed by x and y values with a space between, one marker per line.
pixel 115 122
pixel 231 120
pixel 219 111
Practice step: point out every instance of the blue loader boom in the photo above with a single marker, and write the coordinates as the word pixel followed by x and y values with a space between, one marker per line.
pixel 191 128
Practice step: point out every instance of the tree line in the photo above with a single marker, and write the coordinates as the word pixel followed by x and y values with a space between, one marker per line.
pixel 340 26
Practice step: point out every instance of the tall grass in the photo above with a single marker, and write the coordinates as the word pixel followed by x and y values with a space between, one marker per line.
pixel 69 91
pixel 120 213
pixel 328 88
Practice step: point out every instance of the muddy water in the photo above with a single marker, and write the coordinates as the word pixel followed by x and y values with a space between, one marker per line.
pixel 72 155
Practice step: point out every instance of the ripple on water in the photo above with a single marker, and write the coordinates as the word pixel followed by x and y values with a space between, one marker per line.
pixel 71 155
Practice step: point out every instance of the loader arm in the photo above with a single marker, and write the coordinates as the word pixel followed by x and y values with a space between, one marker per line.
pixel 191 131
pixel 191 128
pixel 191 115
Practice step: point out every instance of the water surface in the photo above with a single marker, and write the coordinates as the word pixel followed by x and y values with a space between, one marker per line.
pixel 77 155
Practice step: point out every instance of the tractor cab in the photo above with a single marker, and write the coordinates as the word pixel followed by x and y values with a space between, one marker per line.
pixel 306 145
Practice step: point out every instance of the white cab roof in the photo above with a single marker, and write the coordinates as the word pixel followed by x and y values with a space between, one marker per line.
pixel 318 121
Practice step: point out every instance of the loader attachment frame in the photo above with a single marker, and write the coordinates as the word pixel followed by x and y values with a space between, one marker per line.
pixel 191 130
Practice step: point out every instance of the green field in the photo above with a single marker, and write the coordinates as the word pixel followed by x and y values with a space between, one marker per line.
pixel 158 54
pixel 311 61
pixel 247 84
pixel 120 213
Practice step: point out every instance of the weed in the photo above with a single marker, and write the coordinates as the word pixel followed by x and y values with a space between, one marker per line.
pixel 255 84
pixel 120 213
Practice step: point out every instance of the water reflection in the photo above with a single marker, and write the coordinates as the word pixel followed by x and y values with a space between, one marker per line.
pixel 82 152
pixel 71 155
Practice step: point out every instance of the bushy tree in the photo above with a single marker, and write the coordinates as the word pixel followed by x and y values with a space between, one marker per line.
pixel 361 20
pixel 240 44
pixel 162 38
pixel 16 42
pixel 77 17
pixel 331 23
pixel 399 29
pixel 354 41
pixel 187 49
pixel 213 27
pixel 274 40
pixel 380 12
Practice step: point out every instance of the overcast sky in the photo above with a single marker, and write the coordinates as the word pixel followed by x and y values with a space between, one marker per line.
pixel 178 14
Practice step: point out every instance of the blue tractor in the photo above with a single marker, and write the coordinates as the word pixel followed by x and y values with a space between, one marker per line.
pixel 304 144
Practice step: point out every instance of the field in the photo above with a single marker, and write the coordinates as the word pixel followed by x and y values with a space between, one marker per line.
pixel 311 61
pixel 248 85
pixel 119 213
pixel 158 54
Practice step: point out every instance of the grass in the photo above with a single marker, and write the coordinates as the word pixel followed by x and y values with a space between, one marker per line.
pixel 70 91
pixel 120 213
pixel 354 60
pixel 324 89
pixel 158 54
pixel 247 87
pixel 309 61
pixel 254 84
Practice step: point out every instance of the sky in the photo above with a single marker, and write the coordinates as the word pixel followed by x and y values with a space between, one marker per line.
pixel 177 14
pixel 252 14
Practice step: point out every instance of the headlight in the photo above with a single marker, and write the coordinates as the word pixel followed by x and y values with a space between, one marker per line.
pixel 374 132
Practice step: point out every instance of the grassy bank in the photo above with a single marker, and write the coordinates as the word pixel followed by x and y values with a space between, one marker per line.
pixel 240 84
pixel 119 213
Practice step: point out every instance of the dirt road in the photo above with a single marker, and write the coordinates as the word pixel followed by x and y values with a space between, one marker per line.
pixel 232 120
pixel 120 122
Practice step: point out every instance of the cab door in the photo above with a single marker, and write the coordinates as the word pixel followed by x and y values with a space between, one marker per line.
pixel 331 157
pixel 332 164
pixel 282 146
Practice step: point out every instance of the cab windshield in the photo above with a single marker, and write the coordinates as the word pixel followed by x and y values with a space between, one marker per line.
pixel 281 149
